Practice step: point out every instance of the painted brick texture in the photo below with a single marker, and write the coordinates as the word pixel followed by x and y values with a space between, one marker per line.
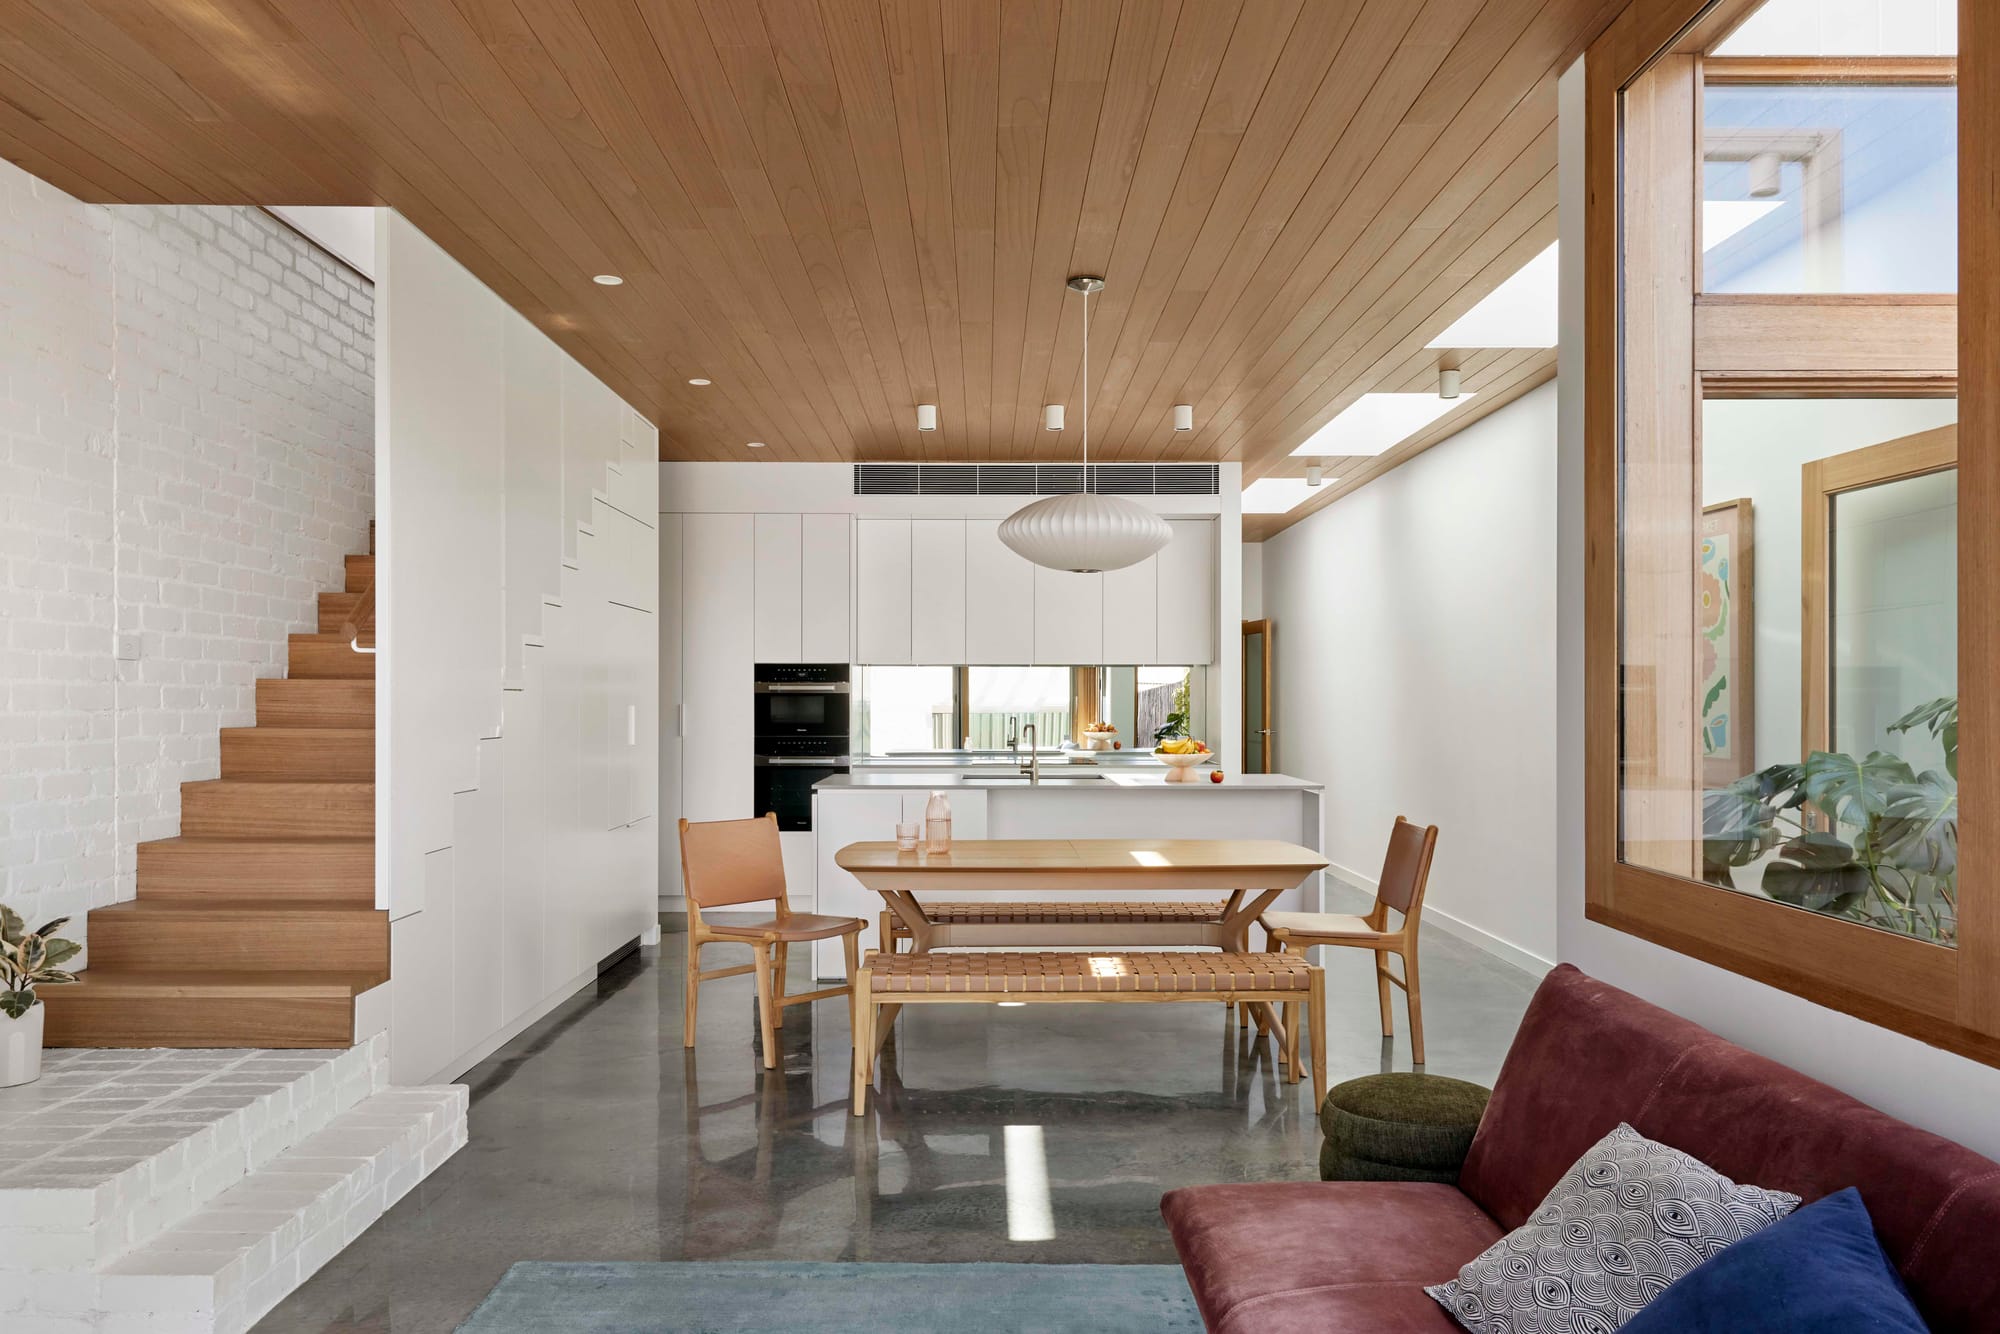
pixel 186 454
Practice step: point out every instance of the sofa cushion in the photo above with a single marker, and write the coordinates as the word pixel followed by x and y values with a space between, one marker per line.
pixel 1821 1271
pixel 1630 1218
pixel 1589 1056
pixel 1323 1255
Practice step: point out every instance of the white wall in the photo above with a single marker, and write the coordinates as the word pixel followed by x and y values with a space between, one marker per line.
pixel 1922 1084
pixel 1415 629
pixel 517 682
pixel 186 439
pixel 1253 581
pixel 1756 449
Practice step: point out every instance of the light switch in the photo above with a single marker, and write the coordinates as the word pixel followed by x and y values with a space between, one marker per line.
pixel 126 648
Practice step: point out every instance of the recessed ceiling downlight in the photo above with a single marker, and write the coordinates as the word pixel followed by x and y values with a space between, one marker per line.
pixel 698 382
pixel 607 280
pixel 754 444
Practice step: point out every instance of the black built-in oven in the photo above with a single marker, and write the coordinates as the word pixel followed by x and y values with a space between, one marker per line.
pixel 802 736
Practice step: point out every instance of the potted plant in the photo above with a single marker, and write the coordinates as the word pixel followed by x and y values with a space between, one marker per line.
pixel 28 959
pixel 1867 839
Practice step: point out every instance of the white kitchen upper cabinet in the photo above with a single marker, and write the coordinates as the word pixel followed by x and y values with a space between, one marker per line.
pixel 780 584
pixel 1187 593
pixel 827 632
pixel 999 599
pixel 1069 617
pixel 937 590
pixel 1132 613
pixel 882 591
pixel 718 665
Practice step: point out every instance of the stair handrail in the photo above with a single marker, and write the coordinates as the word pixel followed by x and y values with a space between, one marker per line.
pixel 359 628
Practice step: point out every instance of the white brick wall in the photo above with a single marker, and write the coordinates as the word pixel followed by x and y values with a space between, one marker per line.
pixel 186 453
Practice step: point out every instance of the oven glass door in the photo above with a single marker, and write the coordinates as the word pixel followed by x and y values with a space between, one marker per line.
pixel 802 713
pixel 787 789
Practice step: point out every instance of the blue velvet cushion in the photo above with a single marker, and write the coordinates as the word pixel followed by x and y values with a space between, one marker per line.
pixel 1818 1271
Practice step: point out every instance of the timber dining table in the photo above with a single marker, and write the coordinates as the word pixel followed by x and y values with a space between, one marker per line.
pixel 1253 871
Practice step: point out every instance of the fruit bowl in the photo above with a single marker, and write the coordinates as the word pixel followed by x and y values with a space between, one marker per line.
pixel 1180 767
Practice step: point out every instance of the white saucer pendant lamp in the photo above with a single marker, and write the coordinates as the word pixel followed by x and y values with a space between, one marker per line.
pixel 1085 533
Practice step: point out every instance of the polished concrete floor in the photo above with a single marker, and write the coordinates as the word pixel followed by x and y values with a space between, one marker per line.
pixel 1037 1133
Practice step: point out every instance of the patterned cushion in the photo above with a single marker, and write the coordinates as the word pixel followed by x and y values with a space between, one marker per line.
pixel 1627 1220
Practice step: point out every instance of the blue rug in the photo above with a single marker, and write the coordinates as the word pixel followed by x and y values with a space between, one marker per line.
pixel 540 1297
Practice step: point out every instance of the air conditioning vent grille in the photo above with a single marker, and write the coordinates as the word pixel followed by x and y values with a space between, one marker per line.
pixel 1036 479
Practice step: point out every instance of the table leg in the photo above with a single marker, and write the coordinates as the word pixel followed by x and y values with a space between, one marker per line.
pixel 1237 919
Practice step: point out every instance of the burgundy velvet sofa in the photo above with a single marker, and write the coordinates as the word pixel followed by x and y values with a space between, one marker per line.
pixel 1337 1256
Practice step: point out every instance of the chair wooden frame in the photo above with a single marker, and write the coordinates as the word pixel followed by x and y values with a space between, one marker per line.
pixel 770 955
pixel 1401 942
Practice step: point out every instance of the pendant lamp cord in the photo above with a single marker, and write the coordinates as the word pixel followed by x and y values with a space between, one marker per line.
pixel 1086 393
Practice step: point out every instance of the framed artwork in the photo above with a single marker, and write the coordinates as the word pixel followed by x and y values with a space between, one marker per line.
pixel 1726 671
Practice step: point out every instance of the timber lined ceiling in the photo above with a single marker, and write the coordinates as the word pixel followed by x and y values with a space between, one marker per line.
pixel 838 209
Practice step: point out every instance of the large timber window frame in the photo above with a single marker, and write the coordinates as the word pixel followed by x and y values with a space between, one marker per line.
pixel 1655 346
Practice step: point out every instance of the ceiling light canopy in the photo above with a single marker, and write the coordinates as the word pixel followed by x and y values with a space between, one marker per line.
pixel 1376 423
pixel 1085 533
pixel 1277 495
pixel 607 280
pixel 1520 312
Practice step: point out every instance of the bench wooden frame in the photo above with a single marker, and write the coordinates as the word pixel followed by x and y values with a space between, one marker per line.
pixel 868 1003
pixel 1223 929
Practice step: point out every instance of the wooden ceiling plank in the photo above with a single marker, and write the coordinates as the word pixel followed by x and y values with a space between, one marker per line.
pixel 678 323
pixel 972 122
pixel 1376 210
pixel 63 163
pixel 914 34
pixel 1138 139
pixel 1027 75
pixel 1089 53
pixel 1297 200
pixel 1178 268
pixel 812 89
pixel 859 54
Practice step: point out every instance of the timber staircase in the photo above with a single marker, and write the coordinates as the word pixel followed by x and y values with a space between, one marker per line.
pixel 257 927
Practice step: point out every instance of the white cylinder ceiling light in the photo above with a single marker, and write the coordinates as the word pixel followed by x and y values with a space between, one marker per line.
pixel 1183 416
pixel 1767 176
pixel 1052 417
pixel 1448 382
pixel 1084 533
pixel 926 416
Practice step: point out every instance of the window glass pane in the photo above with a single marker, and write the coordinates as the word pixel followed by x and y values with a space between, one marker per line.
pixel 1848 28
pixel 903 708
pixel 1825 188
pixel 1797 737
pixel 998 696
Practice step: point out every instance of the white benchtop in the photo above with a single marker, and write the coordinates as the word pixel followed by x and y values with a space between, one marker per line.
pixel 1069 784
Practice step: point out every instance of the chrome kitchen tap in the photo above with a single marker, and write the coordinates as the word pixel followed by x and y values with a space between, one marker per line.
pixel 1033 768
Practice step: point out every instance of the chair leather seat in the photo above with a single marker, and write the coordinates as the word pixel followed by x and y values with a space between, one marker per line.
pixel 798 926
pixel 1331 924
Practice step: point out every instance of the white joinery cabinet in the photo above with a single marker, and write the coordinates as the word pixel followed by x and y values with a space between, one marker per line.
pixel 671 695
pixel 1187 632
pixel 937 591
pixel 1069 617
pixel 882 566
pixel 780 585
pixel 827 584
pixel 718 660
pixel 1132 613
pixel 999 598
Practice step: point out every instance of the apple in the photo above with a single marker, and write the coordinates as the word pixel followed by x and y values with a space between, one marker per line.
pixel 1215 775
pixel 1118 745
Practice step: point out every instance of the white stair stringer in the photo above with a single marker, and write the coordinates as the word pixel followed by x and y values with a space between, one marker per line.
pixel 221 1270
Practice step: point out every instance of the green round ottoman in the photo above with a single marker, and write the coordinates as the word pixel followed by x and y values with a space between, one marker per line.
pixel 1399 1127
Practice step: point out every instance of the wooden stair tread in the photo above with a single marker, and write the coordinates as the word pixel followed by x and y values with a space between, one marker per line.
pixel 220 903
pixel 274 844
pixel 221 985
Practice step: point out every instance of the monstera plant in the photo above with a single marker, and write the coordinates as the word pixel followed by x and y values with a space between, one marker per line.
pixel 1868 839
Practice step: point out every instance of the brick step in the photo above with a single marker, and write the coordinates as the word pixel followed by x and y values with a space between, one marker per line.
pixel 205 1010
pixel 340 869
pixel 222 1269
pixel 315 704
pixel 250 935
pixel 276 808
pixel 360 573
pixel 306 753
pixel 327 657
pixel 334 609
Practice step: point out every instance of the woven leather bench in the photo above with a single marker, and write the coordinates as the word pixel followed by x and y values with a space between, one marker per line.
pixel 1059 924
pixel 1020 976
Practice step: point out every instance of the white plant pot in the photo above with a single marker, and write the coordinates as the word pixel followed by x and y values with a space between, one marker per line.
pixel 21 1047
